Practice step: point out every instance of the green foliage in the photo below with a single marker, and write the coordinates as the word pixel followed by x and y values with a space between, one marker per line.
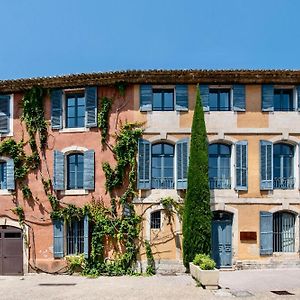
pixel 121 87
pixel 54 205
pixel 76 263
pixel 150 270
pixel 103 118
pixel 171 206
pixel 197 214
pixel 33 116
pixel 204 262
pixel 27 194
pixel 20 213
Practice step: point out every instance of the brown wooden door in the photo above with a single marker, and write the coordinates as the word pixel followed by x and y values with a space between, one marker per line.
pixel 11 251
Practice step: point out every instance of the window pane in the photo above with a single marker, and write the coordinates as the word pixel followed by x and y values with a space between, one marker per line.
pixel 168 149
pixel 80 122
pixel 71 180
pixel 79 180
pixel 168 101
pixel 213 100
pixel 157 101
pixel 81 100
pixel 71 122
pixel 71 112
pixel 81 111
pixel 277 101
pixel 213 149
pixel 224 149
pixel 70 101
pixel 224 100
pixel 157 149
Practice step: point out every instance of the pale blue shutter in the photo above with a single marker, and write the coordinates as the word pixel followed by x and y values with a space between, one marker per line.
pixel 4 113
pixel 182 155
pixel 298 97
pixel 91 107
pixel 86 236
pixel 10 174
pixel 144 165
pixel 239 98
pixel 241 165
pixel 89 170
pixel 56 109
pixel 267 97
pixel 59 171
pixel 204 94
pixel 146 96
pixel 266 165
pixel 182 100
pixel 266 233
pixel 58 238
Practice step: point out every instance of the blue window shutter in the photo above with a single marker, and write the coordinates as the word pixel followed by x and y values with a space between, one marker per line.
pixel 4 113
pixel 58 238
pixel 10 174
pixel 182 100
pixel 146 96
pixel 56 109
pixel 182 153
pixel 298 97
pixel 59 171
pixel 89 170
pixel 204 94
pixel 266 233
pixel 266 165
pixel 144 165
pixel 86 236
pixel 239 97
pixel 241 165
pixel 267 97
pixel 91 107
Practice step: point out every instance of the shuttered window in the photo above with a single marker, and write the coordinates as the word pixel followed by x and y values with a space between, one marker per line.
pixel 75 171
pixel 241 165
pixel 182 152
pixel 266 165
pixel 3 182
pixel 5 113
pixel 266 233
pixel 75 110
pixel 283 100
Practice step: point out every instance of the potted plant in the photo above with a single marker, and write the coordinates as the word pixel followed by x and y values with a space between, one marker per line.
pixel 203 270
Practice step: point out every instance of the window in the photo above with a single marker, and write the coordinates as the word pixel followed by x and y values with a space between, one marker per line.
pixel 219 166
pixel 75 110
pixel 75 237
pixel 283 100
pixel 283 232
pixel 162 166
pixel 3 184
pixel 155 220
pixel 283 159
pixel 75 171
pixel 219 99
pixel 163 99
pixel 5 114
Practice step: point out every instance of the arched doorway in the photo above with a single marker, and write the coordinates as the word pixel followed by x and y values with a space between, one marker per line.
pixel 222 239
pixel 11 250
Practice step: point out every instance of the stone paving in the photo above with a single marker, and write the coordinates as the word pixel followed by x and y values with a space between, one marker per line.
pixel 250 284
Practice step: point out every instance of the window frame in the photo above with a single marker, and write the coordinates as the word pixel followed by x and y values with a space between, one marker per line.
pixel 76 95
pixel 219 90
pixel 76 154
pixel 156 223
pixel 163 91
pixel 76 227
pixel 291 92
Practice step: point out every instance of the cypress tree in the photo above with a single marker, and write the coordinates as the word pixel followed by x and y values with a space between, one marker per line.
pixel 197 214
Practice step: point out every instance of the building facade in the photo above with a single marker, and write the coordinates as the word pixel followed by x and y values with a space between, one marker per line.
pixel 252 124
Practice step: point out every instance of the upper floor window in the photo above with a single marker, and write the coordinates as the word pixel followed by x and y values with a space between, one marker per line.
pixel 283 161
pixel 160 98
pixel 283 100
pixel 278 98
pixel 162 166
pixel 157 162
pixel 218 98
pixel 163 99
pixel 219 166
pixel 76 109
pixel 3 182
pixel 75 171
pixel 5 114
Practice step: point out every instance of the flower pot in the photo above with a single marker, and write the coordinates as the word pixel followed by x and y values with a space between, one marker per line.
pixel 208 278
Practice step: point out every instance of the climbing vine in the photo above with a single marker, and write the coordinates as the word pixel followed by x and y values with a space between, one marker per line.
pixel 103 118
pixel 171 206
pixel 150 270
pixel 18 210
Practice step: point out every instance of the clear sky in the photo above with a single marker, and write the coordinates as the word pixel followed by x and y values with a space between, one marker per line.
pixel 55 37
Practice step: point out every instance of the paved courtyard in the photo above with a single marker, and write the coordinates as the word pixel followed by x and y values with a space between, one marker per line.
pixel 252 284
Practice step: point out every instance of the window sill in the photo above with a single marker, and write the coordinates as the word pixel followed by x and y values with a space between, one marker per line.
pixel 74 192
pixel 78 129
pixel 5 192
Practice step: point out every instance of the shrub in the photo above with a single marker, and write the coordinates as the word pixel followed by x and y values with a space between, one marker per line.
pixel 204 262
pixel 76 263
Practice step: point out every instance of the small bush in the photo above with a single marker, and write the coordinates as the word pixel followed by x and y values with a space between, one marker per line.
pixel 76 263
pixel 204 262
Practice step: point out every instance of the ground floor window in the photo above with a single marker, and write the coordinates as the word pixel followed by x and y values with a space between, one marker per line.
pixel 155 220
pixel 283 232
pixel 75 237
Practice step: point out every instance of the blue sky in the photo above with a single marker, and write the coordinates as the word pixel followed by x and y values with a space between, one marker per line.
pixel 55 37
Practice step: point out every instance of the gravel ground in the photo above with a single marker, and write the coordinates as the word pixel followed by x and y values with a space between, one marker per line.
pixel 254 284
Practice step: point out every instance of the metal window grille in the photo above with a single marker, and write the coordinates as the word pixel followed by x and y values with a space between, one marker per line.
pixel 75 237
pixel 155 221
pixel 283 232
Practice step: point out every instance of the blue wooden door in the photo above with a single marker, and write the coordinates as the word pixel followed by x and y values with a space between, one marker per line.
pixel 222 242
